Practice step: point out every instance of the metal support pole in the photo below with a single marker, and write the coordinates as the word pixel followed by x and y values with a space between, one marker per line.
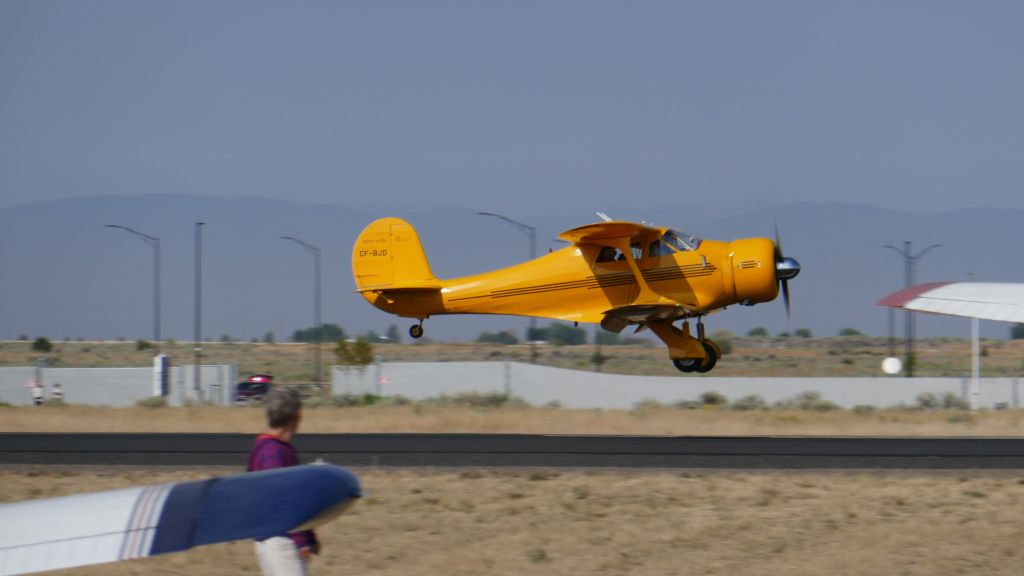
pixel 155 243
pixel 197 320
pixel 317 299
pixel 974 395
pixel 909 260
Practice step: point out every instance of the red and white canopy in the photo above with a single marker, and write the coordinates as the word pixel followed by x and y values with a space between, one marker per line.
pixel 985 300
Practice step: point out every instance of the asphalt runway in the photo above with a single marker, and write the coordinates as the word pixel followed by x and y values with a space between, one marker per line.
pixel 525 450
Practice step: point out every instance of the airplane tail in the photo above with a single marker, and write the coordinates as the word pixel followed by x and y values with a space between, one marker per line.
pixel 388 255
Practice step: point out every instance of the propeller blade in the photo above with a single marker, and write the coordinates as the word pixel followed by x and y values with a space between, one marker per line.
pixel 785 298
pixel 778 241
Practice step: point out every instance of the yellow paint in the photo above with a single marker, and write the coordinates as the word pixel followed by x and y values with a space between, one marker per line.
pixel 575 284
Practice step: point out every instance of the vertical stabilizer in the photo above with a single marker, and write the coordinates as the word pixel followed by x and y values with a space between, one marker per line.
pixel 388 254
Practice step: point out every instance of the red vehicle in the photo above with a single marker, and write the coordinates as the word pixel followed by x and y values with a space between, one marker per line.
pixel 253 389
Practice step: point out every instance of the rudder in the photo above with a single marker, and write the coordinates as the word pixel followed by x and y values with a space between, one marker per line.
pixel 388 254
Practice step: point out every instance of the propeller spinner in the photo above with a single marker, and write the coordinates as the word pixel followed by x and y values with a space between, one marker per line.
pixel 785 269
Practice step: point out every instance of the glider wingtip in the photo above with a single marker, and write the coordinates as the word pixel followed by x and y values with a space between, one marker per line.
pixel 900 298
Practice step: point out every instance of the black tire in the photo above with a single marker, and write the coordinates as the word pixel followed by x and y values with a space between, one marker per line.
pixel 685 364
pixel 711 361
pixel 416 331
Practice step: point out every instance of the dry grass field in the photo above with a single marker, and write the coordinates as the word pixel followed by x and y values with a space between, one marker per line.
pixel 438 419
pixel 849 356
pixel 572 522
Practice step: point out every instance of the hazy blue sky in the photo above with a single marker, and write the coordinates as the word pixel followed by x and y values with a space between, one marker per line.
pixel 915 105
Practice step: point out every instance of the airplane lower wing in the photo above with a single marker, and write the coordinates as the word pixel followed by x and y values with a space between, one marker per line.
pixel 984 300
pixel 83 529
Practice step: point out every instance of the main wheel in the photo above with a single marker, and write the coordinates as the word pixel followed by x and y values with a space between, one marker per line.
pixel 686 364
pixel 416 330
pixel 711 361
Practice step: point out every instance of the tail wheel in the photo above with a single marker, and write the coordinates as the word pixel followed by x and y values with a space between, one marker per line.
pixel 710 362
pixel 416 330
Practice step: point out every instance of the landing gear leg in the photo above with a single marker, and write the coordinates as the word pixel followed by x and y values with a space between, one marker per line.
pixel 416 330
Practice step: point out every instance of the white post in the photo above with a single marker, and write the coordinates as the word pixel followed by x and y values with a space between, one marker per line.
pixel 975 390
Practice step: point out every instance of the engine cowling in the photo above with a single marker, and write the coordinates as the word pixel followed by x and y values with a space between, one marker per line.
pixel 753 270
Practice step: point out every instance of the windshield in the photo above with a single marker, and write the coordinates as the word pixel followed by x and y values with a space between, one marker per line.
pixel 681 240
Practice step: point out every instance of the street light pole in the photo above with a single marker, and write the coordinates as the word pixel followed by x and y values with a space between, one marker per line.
pixel 316 304
pixel 198 319
pixel 155 243
pixel 531 232
pixel 910 260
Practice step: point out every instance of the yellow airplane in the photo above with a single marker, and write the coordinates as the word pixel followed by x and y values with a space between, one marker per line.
pixel 614 273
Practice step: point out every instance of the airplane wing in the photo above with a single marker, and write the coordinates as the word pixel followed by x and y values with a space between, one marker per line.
pixel 83 529
pixel 985 300
pixel 607 230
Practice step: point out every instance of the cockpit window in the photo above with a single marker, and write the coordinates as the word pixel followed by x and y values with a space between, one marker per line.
pixel 680 240
pixel 659 248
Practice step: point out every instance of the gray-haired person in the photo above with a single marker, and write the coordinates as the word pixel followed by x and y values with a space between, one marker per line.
pixel 284 554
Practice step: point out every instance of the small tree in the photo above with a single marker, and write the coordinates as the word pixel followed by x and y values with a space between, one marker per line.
pixel 850 332
pixel 802 333
pixel 598 360
pixel 268 337
pixel 42 344
pixel 394 336
pixel 605 338
pixel 328 333
pixel 562 334
pixel 504 337
pixel 758 332
pixel 359 354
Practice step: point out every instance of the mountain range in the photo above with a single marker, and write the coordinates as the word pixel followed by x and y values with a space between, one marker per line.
pixel 64 275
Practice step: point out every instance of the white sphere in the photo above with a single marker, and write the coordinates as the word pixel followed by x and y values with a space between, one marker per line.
pixel 892 365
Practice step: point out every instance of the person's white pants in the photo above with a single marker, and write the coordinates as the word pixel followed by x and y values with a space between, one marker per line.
pixel 278 556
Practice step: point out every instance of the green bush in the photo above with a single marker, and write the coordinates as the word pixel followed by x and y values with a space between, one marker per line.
pixel 750 402
pixel 42 344
pixel 712 398
pixel 810 400
pixel 951 401
pixel 152 402
pixel 477 400
pixel 928 401
pixel 863 409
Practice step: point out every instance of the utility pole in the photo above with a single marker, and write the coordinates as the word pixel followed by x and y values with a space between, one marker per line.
pixel 909 261
pixel 155 243
pixel 531 232
pixel 316 305
pixel 198 319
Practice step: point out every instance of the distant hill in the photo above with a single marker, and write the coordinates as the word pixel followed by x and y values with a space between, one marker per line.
pixel 63 275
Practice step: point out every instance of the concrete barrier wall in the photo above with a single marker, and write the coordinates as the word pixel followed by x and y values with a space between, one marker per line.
pixel 117 386
pixel 539 385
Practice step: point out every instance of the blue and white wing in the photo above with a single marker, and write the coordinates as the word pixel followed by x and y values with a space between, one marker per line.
pixel 55 533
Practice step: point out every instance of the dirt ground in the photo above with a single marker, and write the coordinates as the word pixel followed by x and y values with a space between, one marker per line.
pixel 290 362
pixel 573 522
pixel 513 420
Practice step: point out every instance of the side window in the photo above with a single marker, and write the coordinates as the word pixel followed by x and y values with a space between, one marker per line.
pixel 607 254
pixel 637 249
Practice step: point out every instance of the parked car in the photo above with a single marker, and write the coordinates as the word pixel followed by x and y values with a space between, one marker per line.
pixel 253 389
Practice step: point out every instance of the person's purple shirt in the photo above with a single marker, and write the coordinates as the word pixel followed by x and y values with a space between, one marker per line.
pixel 270 452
